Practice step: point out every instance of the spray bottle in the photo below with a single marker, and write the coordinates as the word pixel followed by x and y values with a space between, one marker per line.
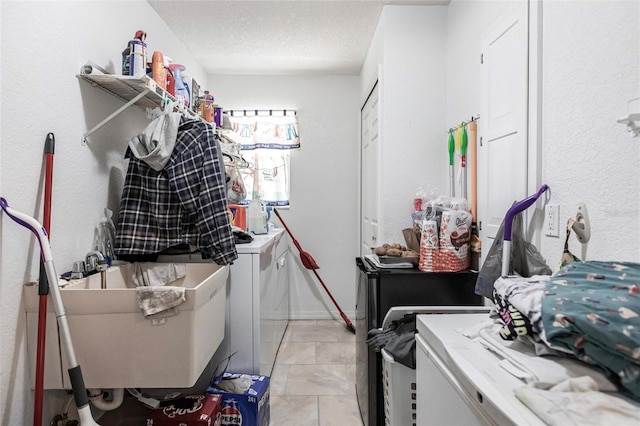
pixel 179 89
pixel 134 57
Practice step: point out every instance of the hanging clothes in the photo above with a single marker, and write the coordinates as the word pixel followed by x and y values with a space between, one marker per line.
pixel 266 138
pixel 184 203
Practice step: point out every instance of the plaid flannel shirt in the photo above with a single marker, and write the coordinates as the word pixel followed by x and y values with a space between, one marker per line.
pixel 183 203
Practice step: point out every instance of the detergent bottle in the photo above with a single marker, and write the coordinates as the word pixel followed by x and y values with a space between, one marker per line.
pixel 179 89
pixel 207 107
pixel 257 217
pixel 158 71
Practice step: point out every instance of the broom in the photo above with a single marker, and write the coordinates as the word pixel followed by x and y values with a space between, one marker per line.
pixel 309 262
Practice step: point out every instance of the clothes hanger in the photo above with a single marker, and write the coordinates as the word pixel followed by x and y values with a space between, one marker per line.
pixel 236 161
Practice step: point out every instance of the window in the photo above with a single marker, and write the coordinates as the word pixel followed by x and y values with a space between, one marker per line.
pixel 266 138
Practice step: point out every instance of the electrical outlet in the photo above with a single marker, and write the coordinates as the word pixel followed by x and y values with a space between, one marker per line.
pixel 552 220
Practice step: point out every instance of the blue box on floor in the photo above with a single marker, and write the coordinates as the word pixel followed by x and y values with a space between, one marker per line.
pixel 247 409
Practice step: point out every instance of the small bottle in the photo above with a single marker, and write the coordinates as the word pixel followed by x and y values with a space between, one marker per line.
pixel 171 82
pixel 134 57
pixel 126 55
pixel 158 71
pixel 179 89
pixel 217 115
pixel 207 106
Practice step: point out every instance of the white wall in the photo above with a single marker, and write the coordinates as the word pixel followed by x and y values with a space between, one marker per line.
pixel 466 22
pixel 590 69
pixel 44 45
pixel 409 52
pixel 324 176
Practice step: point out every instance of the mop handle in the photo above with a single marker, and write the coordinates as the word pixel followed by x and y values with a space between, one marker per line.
pixel 31 224
pixel 75 374
pixel 451 145
pixel 517 208
pixel 473 127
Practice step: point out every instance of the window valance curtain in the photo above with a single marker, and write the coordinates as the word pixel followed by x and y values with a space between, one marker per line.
pixel 271 129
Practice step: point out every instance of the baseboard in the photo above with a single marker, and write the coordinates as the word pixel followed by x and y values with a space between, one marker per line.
pixel 319 315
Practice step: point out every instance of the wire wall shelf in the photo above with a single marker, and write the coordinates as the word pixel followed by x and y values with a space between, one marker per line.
pixel 142 92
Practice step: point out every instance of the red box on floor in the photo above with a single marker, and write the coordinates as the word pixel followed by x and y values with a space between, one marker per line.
pixel 205 411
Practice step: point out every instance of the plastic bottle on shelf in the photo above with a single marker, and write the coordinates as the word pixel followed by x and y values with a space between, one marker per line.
pixel 194 92
pixel 170 80
pixel 217 115
pixel 134 57
pixel 158 71
pixel 179 89
pixel 207 106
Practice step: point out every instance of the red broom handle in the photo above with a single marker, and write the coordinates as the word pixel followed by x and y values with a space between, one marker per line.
pixel 43 289
pixel 342 314
pixel 47 194
pixel 295 242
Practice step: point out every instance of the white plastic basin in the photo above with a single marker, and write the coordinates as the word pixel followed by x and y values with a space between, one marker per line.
pixel 116 346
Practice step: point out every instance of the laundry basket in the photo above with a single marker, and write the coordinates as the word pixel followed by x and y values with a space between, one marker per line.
pixel 399 381
pixel 399 388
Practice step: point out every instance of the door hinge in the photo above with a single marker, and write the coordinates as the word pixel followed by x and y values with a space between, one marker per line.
pixel 480 140
pixel 482 58
pixel 480 226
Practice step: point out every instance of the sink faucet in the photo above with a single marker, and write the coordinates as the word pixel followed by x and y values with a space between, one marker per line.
pixel 95 261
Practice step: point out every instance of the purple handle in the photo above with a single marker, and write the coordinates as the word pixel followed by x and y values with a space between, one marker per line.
pixel 5 205
pixel 517 208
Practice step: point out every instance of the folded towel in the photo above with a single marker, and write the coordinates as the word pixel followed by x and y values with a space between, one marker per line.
pixel 159 298
pixel 577 401
pixel 520 359
pixel 151 292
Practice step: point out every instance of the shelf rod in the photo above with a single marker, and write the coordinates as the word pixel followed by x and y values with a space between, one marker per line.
pixel 114 114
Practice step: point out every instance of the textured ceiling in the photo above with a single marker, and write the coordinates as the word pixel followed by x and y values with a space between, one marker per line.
pixel 276 37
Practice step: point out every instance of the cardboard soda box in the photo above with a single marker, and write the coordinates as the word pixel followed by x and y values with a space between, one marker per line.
pixel 248 409
pixel 192 410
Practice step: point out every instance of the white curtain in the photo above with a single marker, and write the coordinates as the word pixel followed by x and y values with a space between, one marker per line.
pixel 266 138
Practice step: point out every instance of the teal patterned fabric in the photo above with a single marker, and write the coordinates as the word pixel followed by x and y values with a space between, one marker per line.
pixel 593 308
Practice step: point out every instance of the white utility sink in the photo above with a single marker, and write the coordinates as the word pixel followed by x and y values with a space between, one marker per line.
pixel 116 346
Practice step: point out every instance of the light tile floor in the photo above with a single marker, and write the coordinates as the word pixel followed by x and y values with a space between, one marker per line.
pixel 313 380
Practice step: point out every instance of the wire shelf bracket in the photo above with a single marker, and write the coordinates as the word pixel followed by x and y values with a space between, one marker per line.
pixel 113 115
pixel 142 92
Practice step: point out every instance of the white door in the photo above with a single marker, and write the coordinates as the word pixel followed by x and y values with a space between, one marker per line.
pixel 502 155
pixel 369 172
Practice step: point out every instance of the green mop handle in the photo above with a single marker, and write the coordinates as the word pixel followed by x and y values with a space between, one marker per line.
pixel 463 160
pixel 452 147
